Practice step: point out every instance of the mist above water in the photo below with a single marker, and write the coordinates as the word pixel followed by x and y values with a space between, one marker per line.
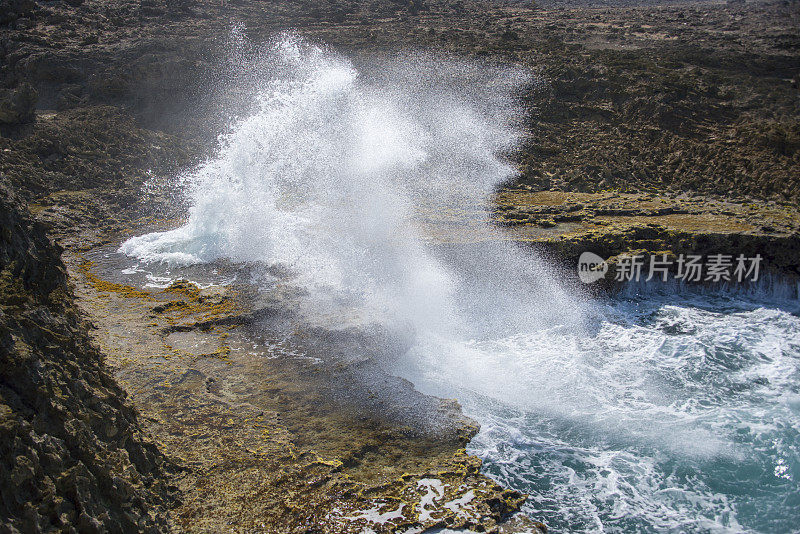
pixel 328 177
pixel 332 181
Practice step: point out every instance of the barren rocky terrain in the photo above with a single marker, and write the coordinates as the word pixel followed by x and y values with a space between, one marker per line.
pixel 668 128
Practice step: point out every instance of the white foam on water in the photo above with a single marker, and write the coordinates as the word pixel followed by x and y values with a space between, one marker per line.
pixel 675 414
pixel 375 517
pixel 434 491
pixel 626 416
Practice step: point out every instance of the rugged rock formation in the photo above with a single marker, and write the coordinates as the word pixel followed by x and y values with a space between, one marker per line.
pixel 71 451
pixel 18 106
pixel 612 224
pixel 666 101
pixel 696 96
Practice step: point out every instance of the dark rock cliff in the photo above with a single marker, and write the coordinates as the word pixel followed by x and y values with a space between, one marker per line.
pixel 72 456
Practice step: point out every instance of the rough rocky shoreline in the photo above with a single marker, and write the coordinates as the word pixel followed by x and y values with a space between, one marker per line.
pixel 255 440
pixel 74 453
pixel 660 129
pixel 280 430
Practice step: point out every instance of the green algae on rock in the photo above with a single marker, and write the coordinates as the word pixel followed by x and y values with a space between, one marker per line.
pixel 272 440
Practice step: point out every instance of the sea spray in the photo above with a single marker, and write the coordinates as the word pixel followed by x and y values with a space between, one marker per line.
pixel 328 176
pixel 640 415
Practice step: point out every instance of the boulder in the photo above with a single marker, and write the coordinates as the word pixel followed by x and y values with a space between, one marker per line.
pixel 11 10
pixel 18 106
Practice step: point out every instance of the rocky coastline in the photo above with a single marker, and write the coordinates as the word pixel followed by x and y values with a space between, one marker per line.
pixel 650 130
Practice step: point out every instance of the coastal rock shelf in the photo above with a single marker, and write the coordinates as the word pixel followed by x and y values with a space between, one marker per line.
pixel 564 224
pixel 274 431
pixel 612 224
pixel 137 396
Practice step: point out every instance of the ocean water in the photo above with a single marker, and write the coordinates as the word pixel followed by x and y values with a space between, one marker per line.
pixel 674 412
pixel 660 410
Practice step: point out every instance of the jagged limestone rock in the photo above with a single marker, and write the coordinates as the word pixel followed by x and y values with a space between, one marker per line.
pixel 71 451
pixel 18 106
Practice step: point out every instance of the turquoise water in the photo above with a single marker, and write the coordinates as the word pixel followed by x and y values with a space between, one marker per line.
pixel 678 413
pixel 671 411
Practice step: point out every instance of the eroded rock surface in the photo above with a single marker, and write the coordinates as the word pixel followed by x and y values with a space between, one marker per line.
pixel 281 427
pixel 663 128
pixel 73 453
